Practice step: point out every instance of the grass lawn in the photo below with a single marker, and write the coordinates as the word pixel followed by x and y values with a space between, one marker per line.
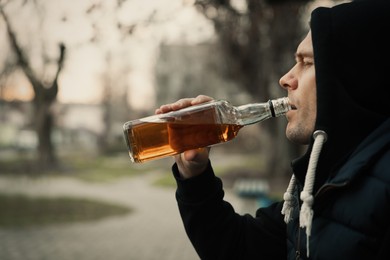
pixel 81 166
pixel 19 210
pixel 22 211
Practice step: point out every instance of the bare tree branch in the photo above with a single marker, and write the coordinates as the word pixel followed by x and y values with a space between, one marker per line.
pixel 54 86
pixel 22 60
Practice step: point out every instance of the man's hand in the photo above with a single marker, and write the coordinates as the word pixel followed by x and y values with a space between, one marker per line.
pixel 193 162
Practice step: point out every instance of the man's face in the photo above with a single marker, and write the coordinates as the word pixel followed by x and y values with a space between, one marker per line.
pixel 301 87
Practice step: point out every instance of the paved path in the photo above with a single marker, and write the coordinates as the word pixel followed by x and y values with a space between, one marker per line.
pixel 153 231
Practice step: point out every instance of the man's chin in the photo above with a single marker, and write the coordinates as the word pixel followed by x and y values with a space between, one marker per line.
pixel 297 137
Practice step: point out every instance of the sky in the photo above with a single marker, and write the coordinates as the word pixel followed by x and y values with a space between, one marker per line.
pixel 93 36
pixel 89 29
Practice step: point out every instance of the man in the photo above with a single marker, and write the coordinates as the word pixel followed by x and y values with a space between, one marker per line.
pixel 337 205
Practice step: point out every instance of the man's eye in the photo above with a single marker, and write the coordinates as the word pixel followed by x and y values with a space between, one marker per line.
pixel 307 62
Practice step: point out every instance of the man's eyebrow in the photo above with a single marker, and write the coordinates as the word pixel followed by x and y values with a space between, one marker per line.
pixel 298 56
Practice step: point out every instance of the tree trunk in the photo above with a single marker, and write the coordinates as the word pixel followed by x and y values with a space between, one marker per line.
pixel 45 95
pixel 47 158
pixel 283 33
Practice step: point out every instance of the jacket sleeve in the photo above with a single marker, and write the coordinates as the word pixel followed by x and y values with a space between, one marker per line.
pixel 217 232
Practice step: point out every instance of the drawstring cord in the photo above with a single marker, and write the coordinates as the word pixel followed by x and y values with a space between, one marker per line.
pixel 288 197
pixel 306 213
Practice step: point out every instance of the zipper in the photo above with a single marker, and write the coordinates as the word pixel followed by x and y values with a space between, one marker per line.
pixel 325 188
pixel 298 250
pixel 298 247
pixel 297 255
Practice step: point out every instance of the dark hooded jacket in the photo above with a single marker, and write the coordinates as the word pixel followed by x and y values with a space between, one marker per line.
pixel 352 181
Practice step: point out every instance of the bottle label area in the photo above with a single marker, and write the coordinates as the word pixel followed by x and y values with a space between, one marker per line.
pixel 154 140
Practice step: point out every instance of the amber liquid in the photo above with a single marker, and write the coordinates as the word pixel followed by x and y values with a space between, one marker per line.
pixel 150 141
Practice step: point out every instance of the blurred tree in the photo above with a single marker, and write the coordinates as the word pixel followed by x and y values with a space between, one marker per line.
pixel 115 75
pixel 115 106
pixel 110 34
pixel 116 67
pixel 45 94
pixel 259 38
pixel 5 72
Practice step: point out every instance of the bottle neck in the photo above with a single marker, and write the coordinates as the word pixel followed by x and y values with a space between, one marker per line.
pixel 257 112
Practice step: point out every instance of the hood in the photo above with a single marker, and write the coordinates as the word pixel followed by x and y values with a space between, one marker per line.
pixel 352 57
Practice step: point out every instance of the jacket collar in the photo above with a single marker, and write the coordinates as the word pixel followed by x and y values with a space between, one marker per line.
pixel 365 154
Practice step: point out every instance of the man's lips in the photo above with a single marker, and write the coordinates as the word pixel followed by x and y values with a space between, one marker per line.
pixel 292 105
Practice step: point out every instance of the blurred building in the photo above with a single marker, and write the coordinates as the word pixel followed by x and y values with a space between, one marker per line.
pixel 76 125
pixel 190 70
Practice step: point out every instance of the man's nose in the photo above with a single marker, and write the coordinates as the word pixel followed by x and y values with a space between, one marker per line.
pixel 288 81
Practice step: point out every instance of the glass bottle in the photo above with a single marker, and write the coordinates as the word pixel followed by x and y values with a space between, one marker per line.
pixel 194 127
